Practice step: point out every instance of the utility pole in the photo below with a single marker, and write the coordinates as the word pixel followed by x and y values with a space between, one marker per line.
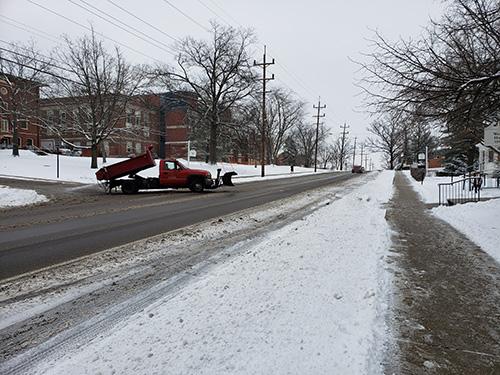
pixel 342 147
pixel 318 116
pixel 361 162
pixel 354 153
pixel 264 64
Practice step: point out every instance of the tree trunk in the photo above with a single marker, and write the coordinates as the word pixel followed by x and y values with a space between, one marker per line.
pixel 93 163
pixel 103 151
pixel 213 140
pixel 15 137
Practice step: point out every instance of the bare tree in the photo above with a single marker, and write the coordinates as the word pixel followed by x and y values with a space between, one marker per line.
pixel 451 73
pixel 96 88
pixel 299 145
pixel 219 73
pixel 387 138
pixel 327 155
pixel 21 75
pixel 340 152
pixel 284 114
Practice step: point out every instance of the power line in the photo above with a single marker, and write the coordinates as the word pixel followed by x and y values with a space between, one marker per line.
pixel 145 22
pixel 294 77
pixel 90 29
pixel 319 107
pixel 342 146
pixel 354 154
pixel 214 12
pixel 281 65
pixel 264 80
pixel 26 28
pixel 169 49
pixel 23 48
pixel 36 59
pixel 226 13
pixel 42 71
pixel 362 149
pixel 186 15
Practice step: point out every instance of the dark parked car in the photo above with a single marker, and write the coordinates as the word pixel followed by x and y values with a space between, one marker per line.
pixel 358 169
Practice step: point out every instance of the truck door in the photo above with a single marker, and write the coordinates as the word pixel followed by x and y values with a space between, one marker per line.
pixel 169 174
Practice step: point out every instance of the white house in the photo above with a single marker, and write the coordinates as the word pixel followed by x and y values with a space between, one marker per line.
pixel 489 151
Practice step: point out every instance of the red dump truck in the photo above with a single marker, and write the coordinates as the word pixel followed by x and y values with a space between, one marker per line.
pixel 172 174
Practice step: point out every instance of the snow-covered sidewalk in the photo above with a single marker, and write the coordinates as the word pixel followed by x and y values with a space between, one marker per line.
pixel 308 298
pixel 10 197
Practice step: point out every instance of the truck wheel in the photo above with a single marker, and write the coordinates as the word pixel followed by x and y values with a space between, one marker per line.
pixel 130 187
pixel 196 185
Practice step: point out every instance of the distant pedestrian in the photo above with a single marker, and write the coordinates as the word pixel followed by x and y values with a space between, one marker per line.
pixel 477 183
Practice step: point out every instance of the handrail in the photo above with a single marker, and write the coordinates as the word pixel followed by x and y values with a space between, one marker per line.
pixel 461 191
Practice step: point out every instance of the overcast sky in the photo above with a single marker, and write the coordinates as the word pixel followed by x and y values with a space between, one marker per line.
pixel 311 40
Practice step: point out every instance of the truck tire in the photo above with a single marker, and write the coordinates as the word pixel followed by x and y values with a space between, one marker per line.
pixel 130 187
pixel 196 185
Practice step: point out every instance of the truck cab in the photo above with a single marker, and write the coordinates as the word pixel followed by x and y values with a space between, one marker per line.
pixel 175 174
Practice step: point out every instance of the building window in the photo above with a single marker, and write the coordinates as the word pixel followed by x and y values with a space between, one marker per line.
pixel 23 124
pixel 129 147
pixel 490 156
pixel 146 131
pixel 50 116
pixel 29 142
pixel 129 120
pixel 138 148
pixel 5 126
pixel 63 118
pixel 138 119
pixel 4 142
pixel 19 142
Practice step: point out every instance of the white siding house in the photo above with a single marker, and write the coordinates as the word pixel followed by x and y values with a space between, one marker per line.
pixel 489 151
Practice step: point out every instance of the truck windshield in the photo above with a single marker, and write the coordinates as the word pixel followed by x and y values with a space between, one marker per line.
pixel 181 166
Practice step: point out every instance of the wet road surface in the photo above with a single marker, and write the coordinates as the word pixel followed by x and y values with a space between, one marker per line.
pixel 81 220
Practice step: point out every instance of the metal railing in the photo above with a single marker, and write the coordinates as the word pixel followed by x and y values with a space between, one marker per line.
pixel 491 181
pixel 465 190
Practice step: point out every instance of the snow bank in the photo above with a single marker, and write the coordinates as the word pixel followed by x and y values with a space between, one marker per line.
pixel 308 298
pixel 429 190
pixel 77 169
pixel 10 197
pixel 480 222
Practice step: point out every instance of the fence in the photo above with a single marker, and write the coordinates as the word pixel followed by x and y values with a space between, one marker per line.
pixel 461 191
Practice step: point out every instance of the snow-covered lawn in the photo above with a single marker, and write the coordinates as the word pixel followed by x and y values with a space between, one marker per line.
pixel 10 197
pixel 429 190
pixel 77 169
pixel 480 222
pixel 309 298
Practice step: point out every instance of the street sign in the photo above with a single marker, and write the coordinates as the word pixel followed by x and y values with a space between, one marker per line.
pixel 192 153
pixel 421 156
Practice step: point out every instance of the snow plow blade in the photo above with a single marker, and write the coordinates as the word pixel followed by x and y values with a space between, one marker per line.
pixel 226 179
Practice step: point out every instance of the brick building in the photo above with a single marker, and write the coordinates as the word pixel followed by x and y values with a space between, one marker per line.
pixel 19 102
pixel 161 120
pixel 175 126
pixel 137 127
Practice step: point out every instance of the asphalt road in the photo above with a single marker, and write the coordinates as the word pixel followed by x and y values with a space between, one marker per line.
pixel 81 220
